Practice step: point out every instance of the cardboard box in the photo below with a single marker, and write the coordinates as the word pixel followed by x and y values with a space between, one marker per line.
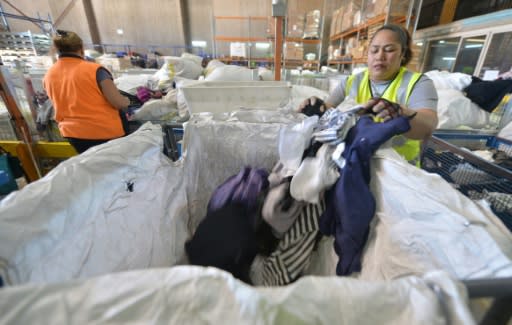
pixel 334 21
pixel 238 49
pixel 348 21
pixel 293 51
pixel 360 50
pixel 295 26
pixel 312 27
pixel 339 20
pixel 380 7
pixel 357 18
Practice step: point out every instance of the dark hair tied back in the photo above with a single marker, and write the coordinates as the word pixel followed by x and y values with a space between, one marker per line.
pixel 67 41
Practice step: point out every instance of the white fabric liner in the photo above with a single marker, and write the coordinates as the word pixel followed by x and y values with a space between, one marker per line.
pixel 449 80
pixel 82 221
pixel 158 109
pixel 130 82
pixel 194 295
pixel 506 132
pixel 456 110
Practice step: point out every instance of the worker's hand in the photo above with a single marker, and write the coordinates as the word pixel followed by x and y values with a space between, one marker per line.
pixel 312 106
pixel 383 108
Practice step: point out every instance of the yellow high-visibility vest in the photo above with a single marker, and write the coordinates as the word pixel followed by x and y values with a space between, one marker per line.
pixel 358 88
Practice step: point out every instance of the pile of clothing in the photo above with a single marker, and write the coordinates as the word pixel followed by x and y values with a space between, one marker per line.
pixel 263 227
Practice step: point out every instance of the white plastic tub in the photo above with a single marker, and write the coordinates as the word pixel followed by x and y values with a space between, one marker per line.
pixel 227 96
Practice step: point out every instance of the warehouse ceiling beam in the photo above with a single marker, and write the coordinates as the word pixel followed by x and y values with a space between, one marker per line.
pixel 93 25
pixel 35 21
pixel 64 13
pixel 448 11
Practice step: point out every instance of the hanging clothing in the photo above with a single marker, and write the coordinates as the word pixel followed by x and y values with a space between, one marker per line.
pixel 350 205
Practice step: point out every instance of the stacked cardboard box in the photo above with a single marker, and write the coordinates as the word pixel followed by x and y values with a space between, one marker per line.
pixel 339 21
pixel 295 25
pixel 360 50
pixel 349 14
pixel 334 17
pixel 350 43
pixel 337 18
pixel 293 51
pixel 312 28
pixel 381 7
pixel 237 49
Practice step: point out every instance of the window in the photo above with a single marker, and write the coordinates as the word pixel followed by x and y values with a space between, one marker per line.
pixel 468 55
pixel 442 54
pixel 498 56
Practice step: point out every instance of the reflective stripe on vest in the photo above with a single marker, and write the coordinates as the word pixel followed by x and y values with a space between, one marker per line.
pixel 358 88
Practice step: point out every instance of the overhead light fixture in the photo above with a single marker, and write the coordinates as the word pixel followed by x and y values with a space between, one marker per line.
pixel 473 46
pixel 441 42
pixel 120 31
pixel 419 43
pixel 449 58
pixel 262 46
pixel 199 43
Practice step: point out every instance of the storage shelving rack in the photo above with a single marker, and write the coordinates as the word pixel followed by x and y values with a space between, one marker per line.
pixel 22 45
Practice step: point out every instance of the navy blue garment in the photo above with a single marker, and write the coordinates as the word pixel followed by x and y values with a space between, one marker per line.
pixel 245 187
pixel 350 205
pixel 225 239
pixel 488 94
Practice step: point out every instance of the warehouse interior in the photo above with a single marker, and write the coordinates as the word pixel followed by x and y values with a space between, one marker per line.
pixel 256 162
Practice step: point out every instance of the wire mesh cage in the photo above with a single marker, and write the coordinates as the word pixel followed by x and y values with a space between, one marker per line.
pixel 453 157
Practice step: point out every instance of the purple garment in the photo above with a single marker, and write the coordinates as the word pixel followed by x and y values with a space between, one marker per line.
pixel 245 188
pixel 143 94
pixel 350 205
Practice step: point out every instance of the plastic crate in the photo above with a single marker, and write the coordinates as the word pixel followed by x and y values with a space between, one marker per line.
pixel 227 96
pixel 447 154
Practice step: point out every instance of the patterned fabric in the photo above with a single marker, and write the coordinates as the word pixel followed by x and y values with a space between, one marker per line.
pixel 293 252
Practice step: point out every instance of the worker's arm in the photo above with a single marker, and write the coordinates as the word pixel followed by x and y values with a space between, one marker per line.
pixel 111 93
pixel 422 125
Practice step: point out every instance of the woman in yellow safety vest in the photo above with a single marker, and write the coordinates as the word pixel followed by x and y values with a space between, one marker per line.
pixel 405 92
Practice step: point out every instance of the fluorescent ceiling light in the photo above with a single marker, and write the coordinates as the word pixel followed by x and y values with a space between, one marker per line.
pixel 120 31
pixel 419 43
pixel 473 46
pixel 262 46
pixel 441 42
pixel 199 43
pixel 449 58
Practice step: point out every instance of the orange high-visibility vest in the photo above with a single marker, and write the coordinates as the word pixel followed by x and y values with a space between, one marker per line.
pixel 81 110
